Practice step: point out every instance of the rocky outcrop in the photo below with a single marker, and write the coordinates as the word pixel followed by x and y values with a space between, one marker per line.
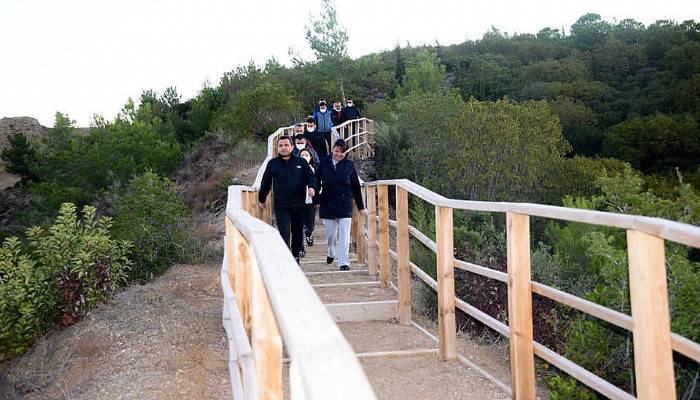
pixel 27 125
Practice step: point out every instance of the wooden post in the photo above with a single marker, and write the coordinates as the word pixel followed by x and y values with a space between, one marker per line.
pixel 229 249
pixel 446 283
pixel 266 340
pixel 522 358
pixel 653 356
pixel 403 270
pixel 253 203
pixel 372 230
pixel 360 247
pixel 384 257
pixel 353 228
pixel 241 260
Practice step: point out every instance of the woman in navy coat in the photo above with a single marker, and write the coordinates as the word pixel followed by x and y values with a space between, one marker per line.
pixel 337 178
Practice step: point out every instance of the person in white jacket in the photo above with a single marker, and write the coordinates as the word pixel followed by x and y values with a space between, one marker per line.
pixel 309 207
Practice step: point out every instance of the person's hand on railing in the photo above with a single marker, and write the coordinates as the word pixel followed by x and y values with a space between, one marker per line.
pixel 363 212
pixel 311 192
pixel 262 206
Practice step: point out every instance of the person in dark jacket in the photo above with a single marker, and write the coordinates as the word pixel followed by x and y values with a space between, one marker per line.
pixel 319 141
pixel 337 114
pixel 351 111
pixel 292 180
pixel 301 143
pixel 339 185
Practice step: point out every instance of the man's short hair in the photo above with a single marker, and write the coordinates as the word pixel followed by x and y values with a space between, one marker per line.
pixel 299 136
pixel 310 120
pixel 299 125
pixel 291 143
pixel 341 144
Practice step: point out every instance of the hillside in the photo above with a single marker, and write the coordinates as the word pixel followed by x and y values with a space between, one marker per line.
pixel 27 125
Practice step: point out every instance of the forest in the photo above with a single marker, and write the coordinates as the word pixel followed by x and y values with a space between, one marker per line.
pixel 604 116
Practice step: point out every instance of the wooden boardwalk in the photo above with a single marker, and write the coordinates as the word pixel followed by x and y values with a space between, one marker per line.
pixel 400 361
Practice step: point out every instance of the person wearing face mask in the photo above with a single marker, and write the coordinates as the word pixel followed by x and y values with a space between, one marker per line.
pixel 300 143
pixel 337 114
pixel 309 207
pixel 292 180
pixel 315 138
pixel 339 185
pixel 324 124
pixel 351 111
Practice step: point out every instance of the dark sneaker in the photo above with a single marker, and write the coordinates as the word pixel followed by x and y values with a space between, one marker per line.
pixel 309 241
pixel 296 259
pixel 302 254
pixel 344 268
pixel 329 260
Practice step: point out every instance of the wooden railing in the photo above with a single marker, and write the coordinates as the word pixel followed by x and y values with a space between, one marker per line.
pixel 650 323
pixel 270 307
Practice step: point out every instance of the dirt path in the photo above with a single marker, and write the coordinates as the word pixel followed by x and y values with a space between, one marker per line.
pixel 162 340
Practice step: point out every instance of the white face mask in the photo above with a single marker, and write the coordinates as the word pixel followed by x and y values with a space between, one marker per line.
pixel 307 158
pixel 311 129
pixel 301 146
pixel 323 109
pixel 336 108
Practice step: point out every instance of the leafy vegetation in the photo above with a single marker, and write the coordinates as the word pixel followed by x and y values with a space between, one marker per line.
pixel 58 275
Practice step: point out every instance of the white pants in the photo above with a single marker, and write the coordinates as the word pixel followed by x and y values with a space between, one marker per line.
pixel 338 228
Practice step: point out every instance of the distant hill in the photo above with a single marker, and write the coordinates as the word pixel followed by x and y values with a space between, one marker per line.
pixel 27 125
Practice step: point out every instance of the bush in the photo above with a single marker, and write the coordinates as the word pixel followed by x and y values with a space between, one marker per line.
pixel 150 213
pixel 64 271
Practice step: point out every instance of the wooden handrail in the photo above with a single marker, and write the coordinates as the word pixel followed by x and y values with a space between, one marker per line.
pixel 645 238
pixel 268 302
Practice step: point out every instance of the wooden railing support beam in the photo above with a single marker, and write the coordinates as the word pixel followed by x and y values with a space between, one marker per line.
pixel 384 257
pixel 522 357
pixel 653 356
pixel 446 283
pixel 403 270
pixel 372 231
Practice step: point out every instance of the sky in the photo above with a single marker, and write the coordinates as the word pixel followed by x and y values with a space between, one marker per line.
pixel 87 57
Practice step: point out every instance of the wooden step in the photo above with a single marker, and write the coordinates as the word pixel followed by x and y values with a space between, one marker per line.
pixel 363 311
pixel 427 377
pixel 349 294
pixel 377 336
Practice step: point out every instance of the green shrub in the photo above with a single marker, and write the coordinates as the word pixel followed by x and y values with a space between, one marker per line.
pixel 150 213
pixel 64 271
pixel 27 298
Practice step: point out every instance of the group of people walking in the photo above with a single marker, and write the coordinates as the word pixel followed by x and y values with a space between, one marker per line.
pixel 311 171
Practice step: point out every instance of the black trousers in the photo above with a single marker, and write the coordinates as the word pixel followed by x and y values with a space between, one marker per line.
pixel 291 220
pixel 309 219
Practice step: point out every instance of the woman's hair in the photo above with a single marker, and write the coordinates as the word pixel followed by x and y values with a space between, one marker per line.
pixel 341 144
pixel 312 162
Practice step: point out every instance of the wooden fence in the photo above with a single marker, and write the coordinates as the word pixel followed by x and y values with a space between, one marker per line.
pixel 650 323
pixel 272 303
pixel 271 309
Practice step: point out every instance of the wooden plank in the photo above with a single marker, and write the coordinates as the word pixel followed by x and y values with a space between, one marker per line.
pixel 686 234
pixel 241 281
pixel 396 353
pixel 653 357
pixel 372 231
pixel 364 311
pixel 446 283
pixel 253 203
pixel 384 260
pixel 522 359
pixel 352 271
pixel 353 228
pixel 361 240
pixel 345 284
pixel 266 339
pixel 403 272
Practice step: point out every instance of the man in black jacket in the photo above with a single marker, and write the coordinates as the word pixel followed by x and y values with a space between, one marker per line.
pixel 291 179
pixel 351 111
pixel 339 185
